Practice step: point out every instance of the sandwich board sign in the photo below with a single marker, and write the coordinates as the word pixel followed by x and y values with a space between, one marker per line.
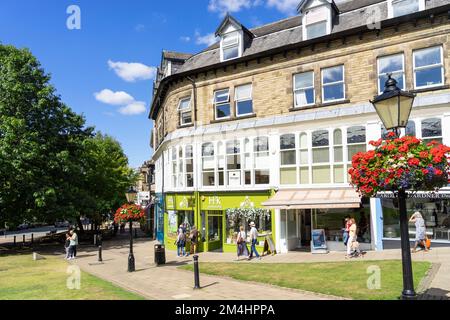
pixel 319 241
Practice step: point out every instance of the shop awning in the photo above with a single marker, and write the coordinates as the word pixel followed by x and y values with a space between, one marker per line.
pixel 314 199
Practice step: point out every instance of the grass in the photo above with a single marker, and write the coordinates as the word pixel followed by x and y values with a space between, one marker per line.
pixel 21 278
pixel 343 279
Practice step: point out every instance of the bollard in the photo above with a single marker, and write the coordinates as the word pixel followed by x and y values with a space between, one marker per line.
pixel 100 259
pixel 95 239
pixel 32 238
pixel 14 241
pixel 23 239
pixel 196 273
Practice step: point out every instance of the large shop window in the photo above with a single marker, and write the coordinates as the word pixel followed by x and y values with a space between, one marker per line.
pixel 428 67
pixel 234 222
pixel 288 174
pixel 394 65
pixel 222 105
pixel 184 108
pixel 432 130
pixel 244 102
pixel 177 218
pixel 304 94
pixel 333 85
pixel 321 157
pixel 262 160
pixel 436 213
pixel 208 165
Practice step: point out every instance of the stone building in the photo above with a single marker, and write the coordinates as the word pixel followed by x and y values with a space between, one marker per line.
pixel 263 124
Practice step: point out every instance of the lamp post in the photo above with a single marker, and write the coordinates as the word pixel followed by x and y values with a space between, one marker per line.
pixel 394 108
pixel 131 197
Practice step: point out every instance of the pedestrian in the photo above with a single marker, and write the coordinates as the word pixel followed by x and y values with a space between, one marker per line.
pixel 254 239
pixel 346 230
pixel 67 245
pixel 418 220
pixel 351 237
pixel 73 244
pixel 193 236
pixel 181 242
pixel 241 240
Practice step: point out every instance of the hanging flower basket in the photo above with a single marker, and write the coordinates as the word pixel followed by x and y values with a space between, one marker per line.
pixel 129 213
pixel 404 163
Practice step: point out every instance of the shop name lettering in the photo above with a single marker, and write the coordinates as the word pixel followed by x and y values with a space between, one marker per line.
pixel 416 196
pixel 226 310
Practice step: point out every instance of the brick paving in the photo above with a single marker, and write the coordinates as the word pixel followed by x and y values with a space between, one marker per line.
pixel 170 283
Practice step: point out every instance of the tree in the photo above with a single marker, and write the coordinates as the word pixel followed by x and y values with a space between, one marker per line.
pixel 51 166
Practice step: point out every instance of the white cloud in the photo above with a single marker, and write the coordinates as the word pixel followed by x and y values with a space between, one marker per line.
pixel 285 6
pixel 224 6
pixel 207 39
pixel 131 72
pixel 118 98
pixel 135 108
pixel 185 39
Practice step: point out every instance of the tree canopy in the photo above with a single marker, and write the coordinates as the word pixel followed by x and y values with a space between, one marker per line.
pixel 51 165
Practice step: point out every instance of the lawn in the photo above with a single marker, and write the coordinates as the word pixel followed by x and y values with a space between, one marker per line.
pixel 21 278
pixel 343 279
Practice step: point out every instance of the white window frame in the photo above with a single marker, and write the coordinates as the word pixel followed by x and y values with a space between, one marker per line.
pixel 213 170
pixel 216 104
pixel 333 83
pixel 327 20
pixel 237 44
pixel 184 111
pixel 328 164
pixel 315 23
pixel 289 166
pixel 391 7
pixel 236 101
pixel 381 90
pixel 186 173
pixel 429 67
pixel 304 89
pixel 255 156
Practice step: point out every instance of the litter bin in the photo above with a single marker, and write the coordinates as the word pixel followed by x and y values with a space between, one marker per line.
pixel 160 254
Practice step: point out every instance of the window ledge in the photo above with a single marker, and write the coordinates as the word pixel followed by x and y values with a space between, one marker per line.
pixel 431 89
pixel 234 118
pixel 294 109
pixel 333 103
pixel 185 126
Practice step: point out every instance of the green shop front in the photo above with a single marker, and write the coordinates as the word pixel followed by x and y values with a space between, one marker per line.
pixel 218 217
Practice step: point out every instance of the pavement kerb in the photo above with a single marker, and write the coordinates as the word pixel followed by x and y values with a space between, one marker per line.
pixel 425 284
pixel 322 295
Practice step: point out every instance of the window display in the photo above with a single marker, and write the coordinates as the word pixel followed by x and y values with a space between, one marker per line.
pixel 235 218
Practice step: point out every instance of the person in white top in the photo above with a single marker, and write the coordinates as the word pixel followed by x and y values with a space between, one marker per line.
pixel 254 239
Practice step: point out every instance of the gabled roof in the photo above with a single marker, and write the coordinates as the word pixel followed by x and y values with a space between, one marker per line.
pixel 303 3
pixel 172 55
pixel 230 19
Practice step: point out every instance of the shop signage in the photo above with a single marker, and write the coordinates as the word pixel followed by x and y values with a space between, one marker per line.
pixel 214 203
pixel 184 203
pixel 319 242
pixel 170 202
pixel 415 195
pixel 247 203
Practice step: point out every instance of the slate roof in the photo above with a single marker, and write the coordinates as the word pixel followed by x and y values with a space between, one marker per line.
pixel 172 55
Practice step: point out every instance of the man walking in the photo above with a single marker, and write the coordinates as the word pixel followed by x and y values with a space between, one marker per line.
pixel 254 239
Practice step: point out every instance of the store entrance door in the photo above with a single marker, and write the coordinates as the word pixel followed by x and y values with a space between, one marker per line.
pixel 305 228
pixel 212 225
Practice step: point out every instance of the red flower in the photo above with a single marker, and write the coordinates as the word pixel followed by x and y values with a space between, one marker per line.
pixel 423 155
pixel 439 172
pixel 425 171
pixel 414 162
pixel 391 134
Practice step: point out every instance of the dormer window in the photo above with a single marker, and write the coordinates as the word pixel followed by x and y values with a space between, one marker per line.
pixel 230 46
pixel 317 22
pixel 399 8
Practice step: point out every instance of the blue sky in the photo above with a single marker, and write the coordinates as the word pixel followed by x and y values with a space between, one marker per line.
pixel 105 69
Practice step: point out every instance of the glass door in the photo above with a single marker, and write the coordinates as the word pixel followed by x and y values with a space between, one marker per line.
pixel 214 230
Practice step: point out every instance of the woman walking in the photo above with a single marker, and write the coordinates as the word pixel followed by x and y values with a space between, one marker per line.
pixel 181 242
pixel 351 237
pixel 242 244
pixel 418 220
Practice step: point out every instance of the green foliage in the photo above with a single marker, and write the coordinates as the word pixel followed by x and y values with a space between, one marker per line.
pixel 51 165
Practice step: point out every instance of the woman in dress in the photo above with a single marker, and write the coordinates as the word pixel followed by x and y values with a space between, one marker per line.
pixel 242 244
pixel 418 220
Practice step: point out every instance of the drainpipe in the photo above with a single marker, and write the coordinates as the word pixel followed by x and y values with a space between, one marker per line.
pixel 194 89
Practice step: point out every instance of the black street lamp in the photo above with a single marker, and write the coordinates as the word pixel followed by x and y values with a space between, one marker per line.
pixel 131 198
pixel 394 108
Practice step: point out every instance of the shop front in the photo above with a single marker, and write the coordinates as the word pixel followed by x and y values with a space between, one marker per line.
pixel 180 209
pixel 302 213
pixel 222 214
pixel 434 208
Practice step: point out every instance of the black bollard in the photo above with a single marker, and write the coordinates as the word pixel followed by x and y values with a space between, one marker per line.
pixel 32 238
pixel 100 259
pixel 23 239
pixel 14 241
pixel 196 273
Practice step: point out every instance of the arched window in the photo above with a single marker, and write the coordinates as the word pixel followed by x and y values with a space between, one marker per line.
pixel 338 170
pixel 321 156
pixel 304 159
pixel 262 160
pixel 432 130
pixel 356 141
pixel 208 164
pixel 411 129
pixel 288 159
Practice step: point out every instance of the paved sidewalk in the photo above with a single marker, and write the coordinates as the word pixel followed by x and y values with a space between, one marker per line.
pixel 170 283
